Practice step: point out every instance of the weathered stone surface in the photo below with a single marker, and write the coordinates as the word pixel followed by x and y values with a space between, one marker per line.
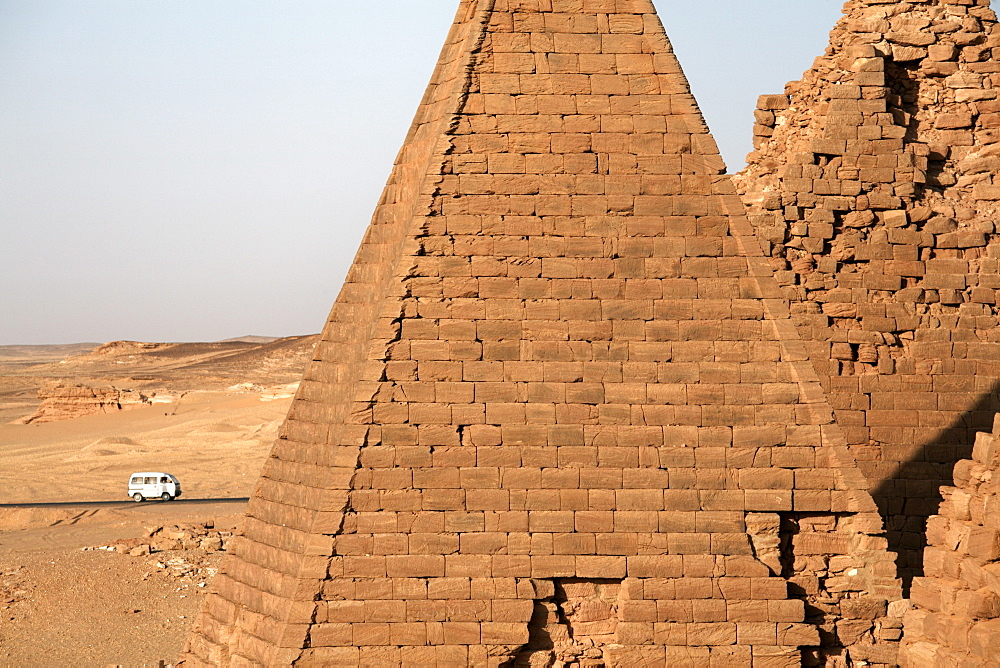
pixel 560 411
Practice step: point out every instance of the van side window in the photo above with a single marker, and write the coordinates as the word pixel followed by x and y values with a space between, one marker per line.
pixel 150 481
pixel 164 480
pixel 136 481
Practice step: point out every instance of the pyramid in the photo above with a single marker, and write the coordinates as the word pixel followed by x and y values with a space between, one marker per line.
pixel 876 188
pixel 560 414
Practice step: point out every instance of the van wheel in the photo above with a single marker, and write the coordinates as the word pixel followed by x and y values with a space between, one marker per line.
pixel 166 497
pixel 137 497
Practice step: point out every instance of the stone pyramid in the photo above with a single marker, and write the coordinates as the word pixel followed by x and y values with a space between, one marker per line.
pixel 559 414
pixel 876 187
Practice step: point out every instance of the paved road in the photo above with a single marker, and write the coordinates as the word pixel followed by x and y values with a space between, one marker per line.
pixel 105 504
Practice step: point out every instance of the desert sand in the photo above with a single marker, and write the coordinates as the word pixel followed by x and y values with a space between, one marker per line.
pixel 214 411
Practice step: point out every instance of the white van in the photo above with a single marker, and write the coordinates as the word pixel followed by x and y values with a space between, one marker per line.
pixel 151 485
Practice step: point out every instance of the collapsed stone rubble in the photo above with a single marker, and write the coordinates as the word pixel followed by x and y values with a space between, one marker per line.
pixel 186 551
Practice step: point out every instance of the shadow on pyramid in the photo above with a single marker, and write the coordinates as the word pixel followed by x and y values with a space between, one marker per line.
pixel 559 415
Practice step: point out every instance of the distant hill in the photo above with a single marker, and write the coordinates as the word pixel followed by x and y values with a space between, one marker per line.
pixel 30 354
pixel 251 339
pixel 149 366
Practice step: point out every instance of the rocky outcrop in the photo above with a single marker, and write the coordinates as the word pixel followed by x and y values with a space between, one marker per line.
pixel 955 620
pixel 65 402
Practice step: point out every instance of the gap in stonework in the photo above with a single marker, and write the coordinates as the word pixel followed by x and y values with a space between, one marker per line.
pixel 571 627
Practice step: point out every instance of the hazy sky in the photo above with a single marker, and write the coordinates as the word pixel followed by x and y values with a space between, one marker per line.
pixel 182 170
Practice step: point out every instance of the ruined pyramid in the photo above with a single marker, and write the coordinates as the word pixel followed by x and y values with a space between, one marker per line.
pixel 559 414
pixel 876 189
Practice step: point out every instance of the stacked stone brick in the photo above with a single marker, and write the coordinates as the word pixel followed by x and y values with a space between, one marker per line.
pixel 955 620
pixel 875 187
pixel 560 414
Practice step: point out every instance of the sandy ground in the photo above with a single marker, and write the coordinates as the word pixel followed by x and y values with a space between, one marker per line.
pixel 214 442
pixel 63 603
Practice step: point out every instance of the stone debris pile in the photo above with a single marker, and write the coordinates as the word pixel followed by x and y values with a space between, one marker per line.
pixel 201 536
pixel 185 551
pixel 194 536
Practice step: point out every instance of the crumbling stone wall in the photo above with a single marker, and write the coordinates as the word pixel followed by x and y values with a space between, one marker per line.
pixel 560 412
pixel 955 620
pixel 873 187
